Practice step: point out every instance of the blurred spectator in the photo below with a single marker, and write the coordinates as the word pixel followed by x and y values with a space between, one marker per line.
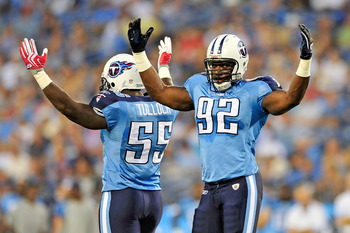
pixel 16 163
pixel 86 178
pixel 307 214
pixel 188 206
pixel 30 214
pixel 321 5
pixel 274 209
pixel 333 170
pixel 300 169
pixel 341 208
pixel 178 217
pixel 332 65
pixel 9 198
pixel 74 213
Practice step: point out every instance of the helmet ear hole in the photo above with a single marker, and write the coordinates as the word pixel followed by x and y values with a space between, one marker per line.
pixel 112 84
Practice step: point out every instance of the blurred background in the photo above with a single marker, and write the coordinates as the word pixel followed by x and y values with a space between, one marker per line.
pixel 55 165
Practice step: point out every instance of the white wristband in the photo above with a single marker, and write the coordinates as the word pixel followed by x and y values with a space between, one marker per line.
pixel 164 72
pixel 142 61
pixel 304 68
pixel 43 79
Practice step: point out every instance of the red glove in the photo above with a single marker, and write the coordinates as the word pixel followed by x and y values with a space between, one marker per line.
pixel 164 52
pixel 30 55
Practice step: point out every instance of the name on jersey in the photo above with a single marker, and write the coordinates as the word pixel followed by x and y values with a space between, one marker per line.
pixel 153 109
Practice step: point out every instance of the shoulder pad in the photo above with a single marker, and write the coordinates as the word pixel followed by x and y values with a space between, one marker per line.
pixel 103 99
pixel 106 98
pixel 273 83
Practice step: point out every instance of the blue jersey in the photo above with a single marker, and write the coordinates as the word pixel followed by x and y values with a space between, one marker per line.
pixel 138 131
pixel 228 125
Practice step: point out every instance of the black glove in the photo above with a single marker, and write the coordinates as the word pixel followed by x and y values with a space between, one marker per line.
pixel 137 40
pixel 306 43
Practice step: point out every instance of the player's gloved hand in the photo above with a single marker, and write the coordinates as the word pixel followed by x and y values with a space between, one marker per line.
pixel 138 40
pixel 34 62
pixel 164 53
pixel 306 43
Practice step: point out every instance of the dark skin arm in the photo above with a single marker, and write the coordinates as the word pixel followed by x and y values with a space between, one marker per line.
pixel 172 96
pixel 281 101
pixel 80 113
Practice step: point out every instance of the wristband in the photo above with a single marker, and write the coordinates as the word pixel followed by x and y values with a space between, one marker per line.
pixel 164 72
pixel 142 61
pixel 304 68
pixel 42 78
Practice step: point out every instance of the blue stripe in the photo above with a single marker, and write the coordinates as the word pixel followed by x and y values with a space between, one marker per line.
pixel 250 215
pixel 100 214
pixel 107 211
pixel 221 44
pixel 104 213
pixel 247 207
pixel 212 47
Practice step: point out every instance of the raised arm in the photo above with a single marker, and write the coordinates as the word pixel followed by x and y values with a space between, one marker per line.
pixel 80 113
pixel 279 102
pixel 172 96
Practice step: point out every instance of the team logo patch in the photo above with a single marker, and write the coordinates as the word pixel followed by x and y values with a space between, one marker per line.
pixel 118 67
pixel 235 186
pixel 242 49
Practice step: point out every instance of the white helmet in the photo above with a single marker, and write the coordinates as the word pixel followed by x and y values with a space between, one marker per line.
pixel 230 50
pixel 120 73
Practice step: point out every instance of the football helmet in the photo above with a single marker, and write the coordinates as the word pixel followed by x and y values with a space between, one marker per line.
pixel 119 73
pixel 226 62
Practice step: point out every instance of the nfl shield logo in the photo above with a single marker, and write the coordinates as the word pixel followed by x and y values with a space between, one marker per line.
pixel 235 186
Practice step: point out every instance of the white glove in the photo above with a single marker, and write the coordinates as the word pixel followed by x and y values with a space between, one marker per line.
pixel 164 58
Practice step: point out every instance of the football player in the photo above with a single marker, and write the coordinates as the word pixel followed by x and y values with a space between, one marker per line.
pixel 135 131
pixel 229 113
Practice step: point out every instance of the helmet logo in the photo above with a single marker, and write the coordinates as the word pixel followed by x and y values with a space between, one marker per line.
pixel 118 67
pixel 242 49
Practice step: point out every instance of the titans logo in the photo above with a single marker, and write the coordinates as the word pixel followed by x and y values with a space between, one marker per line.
pixel 242 49
pixel 118 67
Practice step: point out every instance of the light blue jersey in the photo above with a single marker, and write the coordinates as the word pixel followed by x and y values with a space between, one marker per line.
pixel 138 131
pixel 228 125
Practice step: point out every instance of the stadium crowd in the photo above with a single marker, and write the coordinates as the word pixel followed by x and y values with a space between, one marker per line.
pixel 50 168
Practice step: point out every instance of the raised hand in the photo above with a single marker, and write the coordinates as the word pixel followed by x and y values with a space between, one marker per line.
pixel 164 53
pixel 30 55
pixel 306 43
pixel 137 40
